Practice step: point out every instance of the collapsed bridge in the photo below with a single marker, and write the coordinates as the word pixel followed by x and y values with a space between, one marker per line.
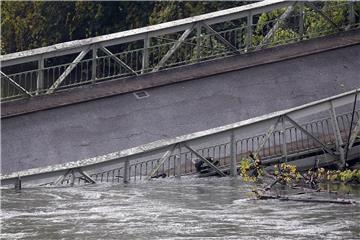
pixel 288 135
pixel 69 101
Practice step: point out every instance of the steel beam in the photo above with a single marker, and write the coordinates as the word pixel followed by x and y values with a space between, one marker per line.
pixel 233 163
pixel 23 90
pixel 86 176
pixel 178 162
pixel 67 71
pixel 139 34
pixel 159 146
pixel 117 60
pixel 338 139
pixel 278 23
pixel 283 139
pixel 62 177
pixel 328 150
pixel 126 171
pixel 145 56
pixel 355 133
pixel 198 41
pixel 173 49
pixel 311 5
pixel 249 31
pixel 301 19
pixel 268 134
pixel 351 12
pixel 218 36
pixel 17 184
pixel 40 76
pixel 205 160
pixel 161 161
pixel 94 63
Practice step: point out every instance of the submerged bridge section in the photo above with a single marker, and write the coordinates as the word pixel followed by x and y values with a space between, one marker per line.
pixel 280 136
pixel 223 54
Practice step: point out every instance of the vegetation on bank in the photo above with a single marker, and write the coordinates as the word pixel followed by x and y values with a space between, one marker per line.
pixel 32 24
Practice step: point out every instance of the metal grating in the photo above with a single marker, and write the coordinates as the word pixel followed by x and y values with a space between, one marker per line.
pixel 141 94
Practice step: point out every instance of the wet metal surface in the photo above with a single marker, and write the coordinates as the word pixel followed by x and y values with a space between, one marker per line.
pixel 111 124
pixel 171 209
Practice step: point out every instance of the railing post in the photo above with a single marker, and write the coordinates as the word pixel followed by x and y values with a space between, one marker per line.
pixel 301 19
pixel 17 184
pixel 233 168
pixel 351 13
pixel 145 56
pixel 198 41
pixel 283 139
pixel 40 76
pixel 126 171
pixel 178 163
pixel 249 31
pixel 337 134
pixel 93 65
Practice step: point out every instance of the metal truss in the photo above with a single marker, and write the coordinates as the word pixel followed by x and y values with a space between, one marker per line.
pixel 177 152
pixel 150 57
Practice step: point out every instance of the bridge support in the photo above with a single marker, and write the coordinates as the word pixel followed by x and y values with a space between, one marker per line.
pixel 338 139
pixel 278 23
pixel 40 76
pixel 72 173
pixel 218 36
pixel 118 60
pixel 328 150
pixel 94 63
pixel 67 71
pixel 178 162
pixel 145 55
pixel 283 139
pixel 15 84
pixel 17 184
pixel 161 161
pixel 267 136
pixel 311 5
pixel 126 171
pixel 233 163
pixel 249 31
pixel 173 48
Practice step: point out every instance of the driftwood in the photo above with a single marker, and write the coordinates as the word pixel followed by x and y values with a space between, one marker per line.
pixel 280 198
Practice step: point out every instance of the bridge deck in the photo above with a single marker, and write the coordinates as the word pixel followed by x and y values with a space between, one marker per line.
pixel 106 125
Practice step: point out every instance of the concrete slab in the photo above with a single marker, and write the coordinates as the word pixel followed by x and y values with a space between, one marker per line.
pixel 111 124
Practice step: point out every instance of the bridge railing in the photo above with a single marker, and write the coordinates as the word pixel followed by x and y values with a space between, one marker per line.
pixel 297 143
pixel 209 36
pixel 317 126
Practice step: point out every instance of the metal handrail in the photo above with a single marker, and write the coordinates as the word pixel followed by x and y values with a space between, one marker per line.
pixel 161 145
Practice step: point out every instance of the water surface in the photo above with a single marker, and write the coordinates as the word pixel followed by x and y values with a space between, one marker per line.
pixel 190 208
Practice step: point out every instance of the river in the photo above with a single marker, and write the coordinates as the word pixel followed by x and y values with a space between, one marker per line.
pixel 189 208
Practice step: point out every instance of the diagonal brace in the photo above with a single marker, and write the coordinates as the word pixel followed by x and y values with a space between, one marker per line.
pixel 205 160
pixel 328 150
pixel 118 60
pixel 354 134
pixel 223 40
pixel 311 5
pixel 86 176
pixel 62 177
pixel 16 84
pixel 267 136
pixel 162 160
pixel 278 23
pixel 173 48
pixel 67 71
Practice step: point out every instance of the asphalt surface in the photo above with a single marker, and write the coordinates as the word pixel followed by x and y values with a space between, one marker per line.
pixel 111 124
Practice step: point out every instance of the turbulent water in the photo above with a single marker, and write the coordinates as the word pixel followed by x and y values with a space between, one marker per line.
pixel 189 208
